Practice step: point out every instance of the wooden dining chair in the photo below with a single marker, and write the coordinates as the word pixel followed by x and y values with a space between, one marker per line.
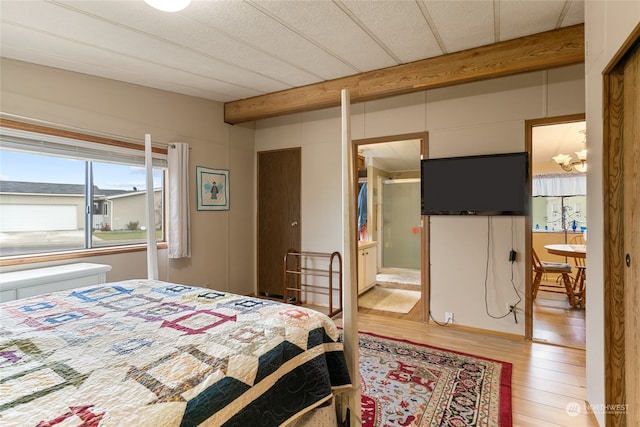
pixel 542 267
pixel 579 286
pixel 579 281
pixel 578 239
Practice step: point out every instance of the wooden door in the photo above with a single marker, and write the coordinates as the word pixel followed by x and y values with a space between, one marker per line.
pixel 631 227
pixel 279 187
pixel 621 157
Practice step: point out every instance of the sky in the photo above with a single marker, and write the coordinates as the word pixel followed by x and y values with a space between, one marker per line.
pixel 18 166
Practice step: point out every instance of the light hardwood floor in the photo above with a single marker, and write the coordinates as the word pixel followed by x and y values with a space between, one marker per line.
pixel 545 378
pixel 556 322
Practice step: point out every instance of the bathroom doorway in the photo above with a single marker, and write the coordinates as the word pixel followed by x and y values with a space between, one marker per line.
pixel 389 222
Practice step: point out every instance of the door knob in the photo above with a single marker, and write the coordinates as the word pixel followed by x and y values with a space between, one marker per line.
pixel 294 223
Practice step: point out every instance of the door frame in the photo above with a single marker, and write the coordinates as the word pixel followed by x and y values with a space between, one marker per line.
pixel 528 238
pixel 425 275
pixel 613 183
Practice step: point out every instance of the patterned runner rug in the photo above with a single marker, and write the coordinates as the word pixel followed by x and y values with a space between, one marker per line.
pixel 410 384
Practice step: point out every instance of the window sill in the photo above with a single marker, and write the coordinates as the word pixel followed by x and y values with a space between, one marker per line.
pixel 84 253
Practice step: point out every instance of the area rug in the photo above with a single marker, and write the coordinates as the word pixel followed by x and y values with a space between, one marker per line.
pixel 410 384
pixel 389 299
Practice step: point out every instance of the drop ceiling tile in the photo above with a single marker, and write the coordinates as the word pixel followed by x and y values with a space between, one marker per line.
pixel 219 44
pixel 519 18
pixel 101 35
pixel 257 29
pixel 463 24
pixel 335 31
pixel 400 26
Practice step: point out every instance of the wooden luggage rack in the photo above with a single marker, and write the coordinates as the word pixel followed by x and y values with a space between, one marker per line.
pixel 302 270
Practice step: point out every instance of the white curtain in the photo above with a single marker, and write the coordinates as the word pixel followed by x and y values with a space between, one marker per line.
pixel 567 184
pixel 179 228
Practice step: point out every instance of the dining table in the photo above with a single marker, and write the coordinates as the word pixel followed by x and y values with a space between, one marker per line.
pixel 577 296
pixel 568 250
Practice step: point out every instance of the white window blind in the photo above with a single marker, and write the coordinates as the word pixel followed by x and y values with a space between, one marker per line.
pixel 37 143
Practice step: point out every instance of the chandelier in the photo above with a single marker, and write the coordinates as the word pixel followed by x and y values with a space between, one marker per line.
pixel 566 162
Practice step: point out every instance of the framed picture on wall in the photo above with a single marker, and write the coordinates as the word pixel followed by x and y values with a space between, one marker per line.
pixel 213 189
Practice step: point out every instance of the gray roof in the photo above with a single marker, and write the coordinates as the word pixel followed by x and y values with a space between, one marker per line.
pixel 18 187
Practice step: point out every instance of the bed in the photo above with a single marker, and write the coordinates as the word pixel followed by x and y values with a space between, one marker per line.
pixel 153 353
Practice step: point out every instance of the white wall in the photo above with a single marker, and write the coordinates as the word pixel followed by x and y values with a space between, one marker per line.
pixel 222 242
pixel 607 25
pixel 476 118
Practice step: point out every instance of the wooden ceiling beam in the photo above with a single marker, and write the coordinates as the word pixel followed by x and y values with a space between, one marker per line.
pixel 551 49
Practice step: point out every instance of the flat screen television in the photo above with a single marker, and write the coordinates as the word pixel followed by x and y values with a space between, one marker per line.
pixel 495 184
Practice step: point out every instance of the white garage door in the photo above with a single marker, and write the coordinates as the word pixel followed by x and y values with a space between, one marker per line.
pixel 38 218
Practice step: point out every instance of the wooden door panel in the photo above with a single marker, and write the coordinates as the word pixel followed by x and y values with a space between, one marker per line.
pixel 279 189
pixel 621 156
pixel 631 227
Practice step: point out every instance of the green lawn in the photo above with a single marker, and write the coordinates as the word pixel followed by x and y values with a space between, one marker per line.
pixel 124 235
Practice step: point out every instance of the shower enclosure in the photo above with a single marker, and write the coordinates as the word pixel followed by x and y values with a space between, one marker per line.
pixel 400 219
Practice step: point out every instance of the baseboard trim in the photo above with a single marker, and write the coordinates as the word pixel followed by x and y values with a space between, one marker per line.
pixel 481 331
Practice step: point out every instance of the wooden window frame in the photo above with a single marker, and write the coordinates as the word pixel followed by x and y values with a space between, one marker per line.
pixel 80 253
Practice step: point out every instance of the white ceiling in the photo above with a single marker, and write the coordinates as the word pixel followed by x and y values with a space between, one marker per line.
pixel 229 50
pixel 233 49
pixel 551 140
pixel 396 156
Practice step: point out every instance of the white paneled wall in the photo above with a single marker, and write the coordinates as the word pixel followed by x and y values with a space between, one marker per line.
pixel 393 116
pixel 475 118
pixel 494 101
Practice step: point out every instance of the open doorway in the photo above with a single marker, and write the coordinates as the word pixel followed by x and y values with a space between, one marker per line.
pixel 558 230
pixel 391 239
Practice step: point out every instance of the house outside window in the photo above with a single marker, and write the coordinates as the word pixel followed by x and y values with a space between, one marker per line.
pixel 59 194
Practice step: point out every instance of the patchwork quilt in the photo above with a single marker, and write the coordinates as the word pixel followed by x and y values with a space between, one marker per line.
pixel 152 353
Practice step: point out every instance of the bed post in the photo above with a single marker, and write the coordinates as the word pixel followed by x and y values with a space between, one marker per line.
pixel 349 271
pixel 152 247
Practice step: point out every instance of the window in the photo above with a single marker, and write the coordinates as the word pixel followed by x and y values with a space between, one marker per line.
pixel 564 213
pixel 60 194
